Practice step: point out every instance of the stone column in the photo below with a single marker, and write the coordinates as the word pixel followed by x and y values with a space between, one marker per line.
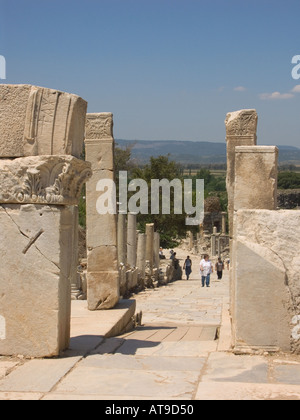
pixel 191 240
pixel 156 245
pixel 241 129
pixel 131 240
pixel 141 254
pixel 122 239
pixel 213 242
pixel 75 278
pixel 102 275
pixel 150 244
pixel 224 223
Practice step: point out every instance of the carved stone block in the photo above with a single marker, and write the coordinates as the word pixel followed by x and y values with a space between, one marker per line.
pixel 266 258
pixel 40 121
pixel 43 180
pixel 256 177
pixel 35 279
pixel 103 289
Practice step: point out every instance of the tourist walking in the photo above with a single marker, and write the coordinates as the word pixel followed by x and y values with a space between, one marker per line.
pixel 206 268
pixel 219 268
pixel 188 267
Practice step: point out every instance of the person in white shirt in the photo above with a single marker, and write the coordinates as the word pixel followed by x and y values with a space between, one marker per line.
pixel 206 268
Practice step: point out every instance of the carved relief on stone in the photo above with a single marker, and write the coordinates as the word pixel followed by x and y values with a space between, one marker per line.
pixel 54 123
pixel 43 180
pixel 99 126
pixel 241 123
pixel 40 121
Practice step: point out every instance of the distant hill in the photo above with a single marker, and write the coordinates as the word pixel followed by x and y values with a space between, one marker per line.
pixel 189 152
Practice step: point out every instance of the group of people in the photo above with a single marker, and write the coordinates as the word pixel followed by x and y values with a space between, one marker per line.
pixel 206 269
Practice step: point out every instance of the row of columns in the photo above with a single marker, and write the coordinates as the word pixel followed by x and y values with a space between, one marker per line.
pixel 138 253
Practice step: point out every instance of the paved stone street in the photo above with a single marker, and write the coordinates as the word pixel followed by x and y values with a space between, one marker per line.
pixel 181 352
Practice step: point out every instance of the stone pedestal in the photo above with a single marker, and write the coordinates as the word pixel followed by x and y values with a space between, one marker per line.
pixel 102 269
pixel 35 276
pixel 38 228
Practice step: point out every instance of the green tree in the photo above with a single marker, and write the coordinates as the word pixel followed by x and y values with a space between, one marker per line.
pixel 288 180
pixel 170 226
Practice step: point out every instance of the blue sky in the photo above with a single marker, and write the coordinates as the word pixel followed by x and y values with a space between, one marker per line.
pixel 167 69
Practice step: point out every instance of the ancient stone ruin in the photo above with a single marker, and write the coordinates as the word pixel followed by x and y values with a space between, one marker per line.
pixel 41 175
pixel 41 139
pixel 265 284
pixel 103 285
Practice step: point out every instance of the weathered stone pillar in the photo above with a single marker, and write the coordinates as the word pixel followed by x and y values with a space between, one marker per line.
pixel 256 177
pixel 156 245
pixel 255 188
pixel 102 275
pixel 122 239
pixel 191 240
pixel 214 242
pixel 141 254
pixel 75 278
pixel 131 240
pixel 150 244
pixel 41 130
pixel 224 214
pixel 241 129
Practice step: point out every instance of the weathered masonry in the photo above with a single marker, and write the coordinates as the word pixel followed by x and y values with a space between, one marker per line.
pixel 41 139
pixel 265 243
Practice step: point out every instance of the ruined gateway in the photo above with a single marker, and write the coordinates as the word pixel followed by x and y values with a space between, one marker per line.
pixel 41 138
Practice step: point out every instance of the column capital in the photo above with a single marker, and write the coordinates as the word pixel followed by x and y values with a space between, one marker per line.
pixel 99 126
pixel 241 123
pixel 55 180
